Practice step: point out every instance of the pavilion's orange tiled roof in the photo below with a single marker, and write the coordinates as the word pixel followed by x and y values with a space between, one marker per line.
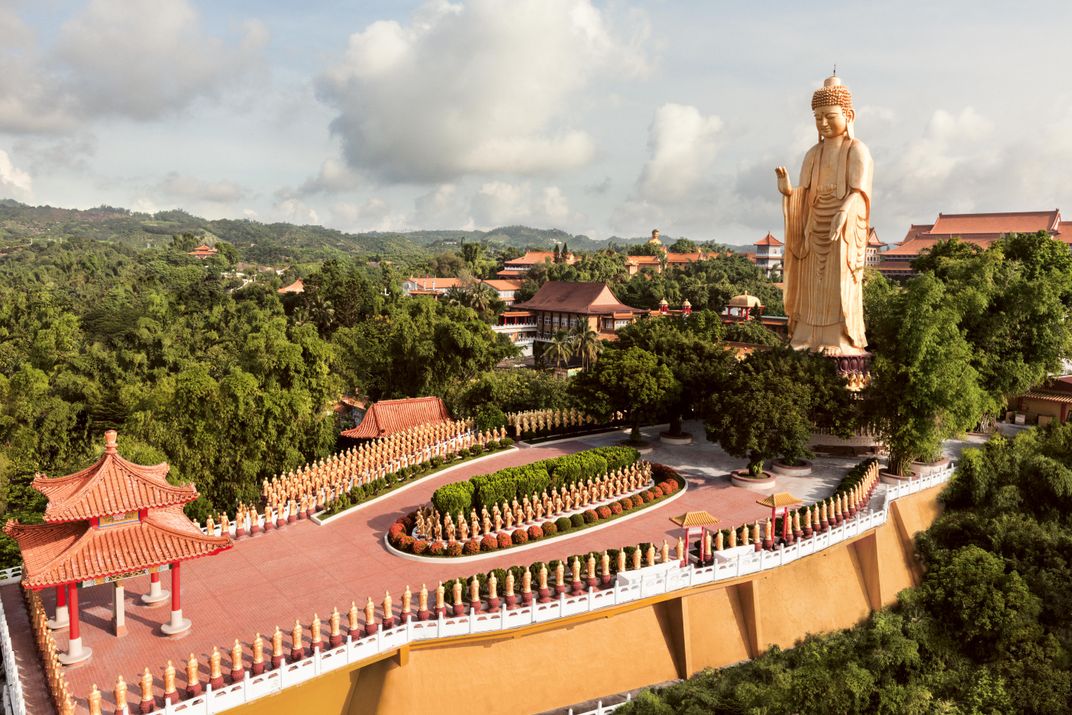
pixel 768 240
pixel 389 416
pixel 298 286
pixel 60 553
pixel 684 257
pixel 203 251
pixel 694 518
pixel 873 240
pixel 111 486
pixel 778 500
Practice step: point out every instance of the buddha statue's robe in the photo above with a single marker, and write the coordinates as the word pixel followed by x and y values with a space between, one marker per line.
pixel 824 276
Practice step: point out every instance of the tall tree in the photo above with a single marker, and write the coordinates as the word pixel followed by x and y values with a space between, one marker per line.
pixel 630 381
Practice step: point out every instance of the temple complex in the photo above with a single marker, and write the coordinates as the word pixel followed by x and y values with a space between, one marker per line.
pixel 109 522
pixel 979 229
pixel 203 251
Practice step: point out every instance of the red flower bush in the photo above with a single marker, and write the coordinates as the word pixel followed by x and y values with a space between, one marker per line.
pixel 420 546
pixel 648 496
pixel 549 528
pixel 405 543
pixel 519 536
pixel 504 540
pixel 603 512
pixel 615 508
pixel 657 492
pixel 395 532
pixel 535 532
pixel 489 543
pixel 642 498
pixel 590 517
pixel 454 548
pixel 472 546
pixel 437 549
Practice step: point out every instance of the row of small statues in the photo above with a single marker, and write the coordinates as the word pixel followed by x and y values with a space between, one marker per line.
pixel 325 481
pixel 46 645
pixel 583 576
pixel 370 455
pixel 536 421
pixel 433 526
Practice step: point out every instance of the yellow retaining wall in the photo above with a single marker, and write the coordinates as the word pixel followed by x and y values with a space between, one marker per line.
pixel 591 655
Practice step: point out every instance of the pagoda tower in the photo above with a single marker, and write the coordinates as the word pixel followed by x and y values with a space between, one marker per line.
pixel 109 522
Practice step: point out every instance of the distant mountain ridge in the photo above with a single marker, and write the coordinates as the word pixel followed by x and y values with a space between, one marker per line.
pixel 271 243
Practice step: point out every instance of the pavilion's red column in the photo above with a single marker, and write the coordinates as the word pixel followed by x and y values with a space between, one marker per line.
pixel 178 624
pixel 75 652
pixel 156 594
pixel 61 620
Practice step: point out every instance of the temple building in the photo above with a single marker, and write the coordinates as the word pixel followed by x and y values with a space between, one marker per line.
pixel 768 255
pixel 430 285
pixel 520 327
pixel 875 247
pixel 110 522
pixel 386 417
pixel 506 289
pixel 1046 403
pixel 298 286
pixel 519 267
pixel 203 251
pixel 980 229
pixel 562 306
pixel 655 264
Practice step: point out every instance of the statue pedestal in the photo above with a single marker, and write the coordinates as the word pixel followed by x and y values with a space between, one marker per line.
pixel 855 368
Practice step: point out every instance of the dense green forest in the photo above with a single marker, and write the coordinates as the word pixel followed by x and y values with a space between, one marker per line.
pixel 269 243
pixel 988 631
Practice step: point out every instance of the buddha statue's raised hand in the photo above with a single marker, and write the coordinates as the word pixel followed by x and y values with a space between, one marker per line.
pixel 784 185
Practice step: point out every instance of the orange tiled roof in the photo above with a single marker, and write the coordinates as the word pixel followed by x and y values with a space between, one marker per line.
pixel 996 223
pixel 694 518
pixel 768 240
pixel 647 260
pixel 531 258
pixel 111 486
pixel 502 285
pixel 203 250
pixel 298 286
pixel 435 283
pixel 873 240
pixel 389 416
pixel 55 554
pixel 577 298
pixel 684 257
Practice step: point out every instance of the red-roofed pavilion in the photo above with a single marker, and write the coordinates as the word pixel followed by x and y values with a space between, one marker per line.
pixel 386 417
pixel 106 523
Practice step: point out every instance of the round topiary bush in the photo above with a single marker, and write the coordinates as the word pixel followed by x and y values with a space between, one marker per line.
pixel 648 495
pixel 563 524
pixel 472 546
pixel 657 492
pixel 406 543
pixel 504 540
pixel 590 516
pixel 626 502
pixel 489 543
pixel 506 442
pixel 603 512
pixel 519 536
pixel 535 533
pixel 549 528
pixel 454 548
pixel 438 548
pixel 420 546
pixel 576 521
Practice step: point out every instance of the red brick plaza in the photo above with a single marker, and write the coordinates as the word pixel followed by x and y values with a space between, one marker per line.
pixel 275 578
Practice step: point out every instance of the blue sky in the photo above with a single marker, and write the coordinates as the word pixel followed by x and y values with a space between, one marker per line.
pixel 604 118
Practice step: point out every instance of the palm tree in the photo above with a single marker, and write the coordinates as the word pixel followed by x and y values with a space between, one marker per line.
pixel 560 348
pixel 586 344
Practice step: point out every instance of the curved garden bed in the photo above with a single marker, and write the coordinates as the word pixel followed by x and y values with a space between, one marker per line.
pixel 744 479
pixel 664 484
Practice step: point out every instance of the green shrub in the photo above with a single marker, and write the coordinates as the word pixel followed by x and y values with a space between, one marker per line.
pixel 563 524
pixel 489 417
pixel 454 497
pixel 577 521
pixel 506 442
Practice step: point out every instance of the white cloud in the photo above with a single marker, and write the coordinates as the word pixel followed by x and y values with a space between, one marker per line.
pixel 146 59
pixel 137 59
pixel 474 88
pixel 682 142
pixel 191 188
pixel 14 182
pixel 334 177
pixel 500 203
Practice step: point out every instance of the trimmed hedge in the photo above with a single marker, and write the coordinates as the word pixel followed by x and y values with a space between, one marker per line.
pixel 515 482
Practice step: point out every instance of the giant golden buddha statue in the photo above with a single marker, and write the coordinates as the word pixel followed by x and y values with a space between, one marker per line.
pixel 826 223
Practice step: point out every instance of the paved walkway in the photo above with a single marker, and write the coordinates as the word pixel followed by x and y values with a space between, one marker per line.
pixel 274 578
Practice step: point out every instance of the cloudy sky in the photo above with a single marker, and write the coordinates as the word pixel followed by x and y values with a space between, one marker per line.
pixel 604 118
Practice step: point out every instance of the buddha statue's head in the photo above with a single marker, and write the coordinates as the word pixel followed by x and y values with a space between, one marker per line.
pixel 832 107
